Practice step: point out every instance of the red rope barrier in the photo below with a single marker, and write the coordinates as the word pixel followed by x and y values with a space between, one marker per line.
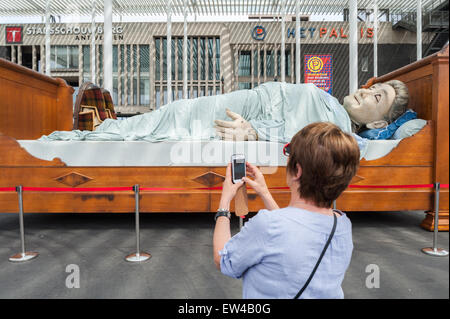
pixel 81 189
pixel 120 189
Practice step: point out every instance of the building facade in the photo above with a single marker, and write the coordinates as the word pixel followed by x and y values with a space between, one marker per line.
pixel 221 57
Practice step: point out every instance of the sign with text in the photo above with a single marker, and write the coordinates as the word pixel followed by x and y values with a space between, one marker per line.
pixel 13 35
pixel 319 71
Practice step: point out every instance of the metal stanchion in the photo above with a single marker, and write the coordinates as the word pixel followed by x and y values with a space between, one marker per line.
pixel 23 255
pixel 434 251
pixel 334 204
pixel 138 256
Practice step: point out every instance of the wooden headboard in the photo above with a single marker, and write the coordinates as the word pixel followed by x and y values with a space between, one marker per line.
pixel 32 104
pixel 428 86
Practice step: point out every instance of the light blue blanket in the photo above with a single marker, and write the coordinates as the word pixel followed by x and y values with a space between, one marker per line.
pixel 277 111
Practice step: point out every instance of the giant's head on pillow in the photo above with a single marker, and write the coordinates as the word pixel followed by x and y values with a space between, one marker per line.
pixel 377 106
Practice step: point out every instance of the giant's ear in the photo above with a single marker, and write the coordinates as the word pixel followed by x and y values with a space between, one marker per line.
pixel 377 124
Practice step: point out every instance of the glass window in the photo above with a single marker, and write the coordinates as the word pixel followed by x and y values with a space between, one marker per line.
pixel 180 58
pixel 189 45
pixel 210 59
pixel 128 58
pixel 5 52
pixel 115 94
pixel 255 62
pixel 100 58
pixel 122 59
pixel 261 64
pixel 164 59
pixel 244 86
pixel 144 58
pixel 270 63
pixel 158 97
pixel 195 57
pixel 157 60
pixel 135 58
pixel 61 56
pixel 217 59
pixel 144 87
pixel 86 58
pixel 202 58
pixel 365 63
pixel 244 64
pixel 115 59
pixel 135 91
pixel 173 59
pixel 73 57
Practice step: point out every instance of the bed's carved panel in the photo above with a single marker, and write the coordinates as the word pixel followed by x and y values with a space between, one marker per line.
pixel 209 179
pixel 73 179
pixel 13 155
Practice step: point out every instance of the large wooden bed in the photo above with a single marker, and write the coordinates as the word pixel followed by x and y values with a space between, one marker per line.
pixel 32 104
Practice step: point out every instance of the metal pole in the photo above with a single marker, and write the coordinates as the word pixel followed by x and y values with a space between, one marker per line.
pixel 434 251
pixel 241 222
pixel 185 88
pixel 283 41
pixel 419 29
pixel 375 38
pixel 297 43
pixel 334 204
pixel 93 60
pixel 47 38
pixel 353 46
pixel 138 256
pixel 169 51
pixel 23 255
pixel 108 47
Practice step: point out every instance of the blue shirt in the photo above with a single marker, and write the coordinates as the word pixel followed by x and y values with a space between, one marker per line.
pixel 276 251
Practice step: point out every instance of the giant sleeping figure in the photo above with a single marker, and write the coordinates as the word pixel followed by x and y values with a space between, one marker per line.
pixel 273 111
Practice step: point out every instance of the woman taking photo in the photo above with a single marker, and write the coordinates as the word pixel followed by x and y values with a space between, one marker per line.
pixel 303 250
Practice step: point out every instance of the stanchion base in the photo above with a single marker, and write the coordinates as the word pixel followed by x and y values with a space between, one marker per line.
pixel 439 252
pixel 20 257
pixel 138 257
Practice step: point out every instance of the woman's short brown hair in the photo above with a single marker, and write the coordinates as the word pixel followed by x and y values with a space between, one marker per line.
pixel 328 157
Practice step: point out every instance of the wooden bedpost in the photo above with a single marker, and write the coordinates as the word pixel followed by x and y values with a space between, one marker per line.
pixel 440 116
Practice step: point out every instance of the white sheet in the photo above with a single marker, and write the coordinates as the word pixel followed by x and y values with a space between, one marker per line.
pixel 176 153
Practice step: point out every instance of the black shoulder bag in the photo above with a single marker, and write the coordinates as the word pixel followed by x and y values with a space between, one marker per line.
pixel 320 258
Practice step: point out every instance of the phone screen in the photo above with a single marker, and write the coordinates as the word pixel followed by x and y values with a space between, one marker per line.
pixel 239 168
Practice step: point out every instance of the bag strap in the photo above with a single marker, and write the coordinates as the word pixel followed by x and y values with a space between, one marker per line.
pixel 320 258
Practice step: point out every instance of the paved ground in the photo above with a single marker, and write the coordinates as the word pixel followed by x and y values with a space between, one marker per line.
pixel 182 265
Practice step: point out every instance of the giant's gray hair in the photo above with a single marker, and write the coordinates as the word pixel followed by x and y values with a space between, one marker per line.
pixel 400 101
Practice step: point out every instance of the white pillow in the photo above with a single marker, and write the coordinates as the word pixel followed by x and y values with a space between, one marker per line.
pixel 409 129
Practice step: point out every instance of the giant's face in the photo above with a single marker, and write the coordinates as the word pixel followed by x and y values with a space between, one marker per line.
pixel 370 105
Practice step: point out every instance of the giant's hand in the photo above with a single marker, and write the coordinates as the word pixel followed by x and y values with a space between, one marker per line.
pixel 236 130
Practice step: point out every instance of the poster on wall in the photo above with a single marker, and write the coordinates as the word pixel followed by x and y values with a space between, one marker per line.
pixel 319 70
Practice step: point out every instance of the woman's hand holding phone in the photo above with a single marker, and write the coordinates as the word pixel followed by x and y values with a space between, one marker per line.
pixel 258 183
pixel 229 189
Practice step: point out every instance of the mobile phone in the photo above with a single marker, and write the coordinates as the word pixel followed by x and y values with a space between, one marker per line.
pixel 237 167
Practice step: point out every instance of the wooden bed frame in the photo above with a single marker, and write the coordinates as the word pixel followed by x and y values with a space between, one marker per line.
pixel 420 159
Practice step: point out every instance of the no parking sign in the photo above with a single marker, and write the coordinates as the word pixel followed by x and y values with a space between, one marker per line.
pixel 319 70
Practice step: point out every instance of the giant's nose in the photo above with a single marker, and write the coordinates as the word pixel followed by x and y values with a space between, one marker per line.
pixel 363 93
